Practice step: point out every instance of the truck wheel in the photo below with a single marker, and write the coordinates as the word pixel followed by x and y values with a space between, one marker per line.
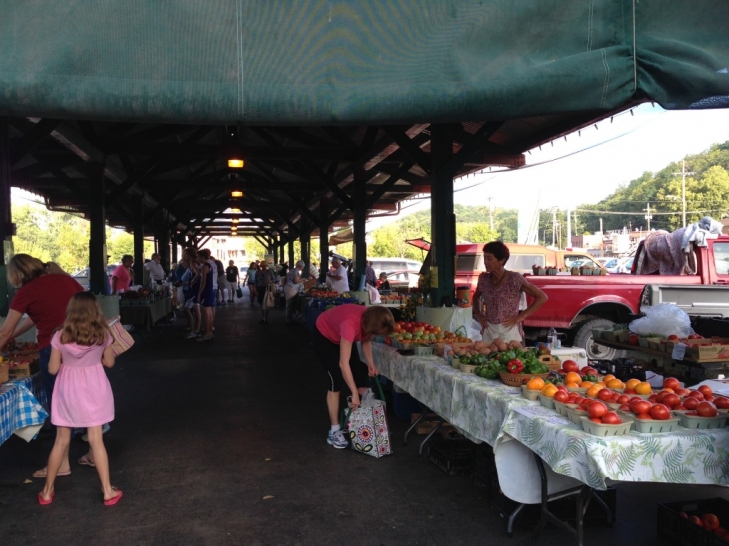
pixel 595 351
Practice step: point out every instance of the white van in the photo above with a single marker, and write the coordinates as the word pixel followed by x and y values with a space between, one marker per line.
pixel 407 269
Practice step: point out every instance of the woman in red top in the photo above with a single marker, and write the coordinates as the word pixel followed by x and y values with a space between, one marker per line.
pixel 335 334
pixel 44 297
pixel 500 291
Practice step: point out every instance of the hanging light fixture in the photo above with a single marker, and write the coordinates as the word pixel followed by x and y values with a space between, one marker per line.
pixel 234 163
pixel 236 193
pixel 235 220
pixel 235 210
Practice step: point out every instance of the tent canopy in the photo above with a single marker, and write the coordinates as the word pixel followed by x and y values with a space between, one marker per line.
pixel 356 61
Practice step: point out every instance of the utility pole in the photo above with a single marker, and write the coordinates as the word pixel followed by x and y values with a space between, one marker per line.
pixel 554 225
pixel 683 174
pixel 569 230
pixel 648 215
pixel 491 213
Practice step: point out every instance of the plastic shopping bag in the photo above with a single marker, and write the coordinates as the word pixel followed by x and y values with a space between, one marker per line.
pixel 663 319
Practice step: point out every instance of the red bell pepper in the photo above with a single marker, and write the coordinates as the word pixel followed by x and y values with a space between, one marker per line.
pixel 515 366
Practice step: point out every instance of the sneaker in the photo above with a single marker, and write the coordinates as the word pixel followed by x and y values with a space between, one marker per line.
pixel 191 335
pixel 337 439
pixel 104 430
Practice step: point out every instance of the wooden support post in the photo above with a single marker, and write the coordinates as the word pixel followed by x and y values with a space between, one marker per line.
pixel 443 220
pixel 138 240
pixel 6 226
pixel 359 226
pixel 291 251
pixel 323 238
pixel 97 241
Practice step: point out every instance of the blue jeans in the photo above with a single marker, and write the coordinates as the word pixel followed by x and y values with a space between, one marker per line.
pixel 48 380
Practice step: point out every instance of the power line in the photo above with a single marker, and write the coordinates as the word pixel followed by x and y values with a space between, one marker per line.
pixel 631 213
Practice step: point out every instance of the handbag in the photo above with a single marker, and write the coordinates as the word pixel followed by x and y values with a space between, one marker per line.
pixel 269 300
pixel 366 426
pixel 239 292
pixel 123 340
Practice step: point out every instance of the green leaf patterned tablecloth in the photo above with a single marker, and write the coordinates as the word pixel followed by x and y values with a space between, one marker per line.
pixel 492 412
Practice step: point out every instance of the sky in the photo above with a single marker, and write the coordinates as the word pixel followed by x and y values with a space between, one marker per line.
pixel 589 166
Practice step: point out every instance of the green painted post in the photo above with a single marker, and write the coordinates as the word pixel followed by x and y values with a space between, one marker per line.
pixel 443 221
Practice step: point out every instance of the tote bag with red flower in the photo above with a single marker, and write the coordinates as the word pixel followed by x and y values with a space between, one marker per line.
pixel 367 429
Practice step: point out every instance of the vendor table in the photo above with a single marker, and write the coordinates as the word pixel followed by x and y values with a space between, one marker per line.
pixel 491 412
pixel 146 315
pixel 21 411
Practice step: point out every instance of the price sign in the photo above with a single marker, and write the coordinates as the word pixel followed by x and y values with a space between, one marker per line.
pixel 679 351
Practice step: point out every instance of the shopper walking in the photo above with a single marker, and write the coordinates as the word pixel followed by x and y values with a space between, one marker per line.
pixel 206 293
pixel 291 289
pixel 82 395
pixel 250 282
pixel 334 337
pixel 264 277
pixel 233 278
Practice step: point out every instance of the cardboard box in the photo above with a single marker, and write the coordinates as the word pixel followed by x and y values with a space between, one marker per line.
pixel 4 375
pixel 427 425
pixel 22 367
pixel 707 350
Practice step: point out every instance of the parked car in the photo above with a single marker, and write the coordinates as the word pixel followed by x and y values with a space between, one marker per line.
pixel 82 277
pixel 611 264
pixel 625 266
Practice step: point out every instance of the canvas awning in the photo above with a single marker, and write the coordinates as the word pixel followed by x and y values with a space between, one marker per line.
pixel 356 61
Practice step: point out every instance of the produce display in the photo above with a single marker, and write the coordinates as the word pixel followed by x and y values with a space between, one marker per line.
pixel 422 333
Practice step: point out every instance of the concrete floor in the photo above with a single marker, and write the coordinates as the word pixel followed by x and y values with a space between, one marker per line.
pixel 224 443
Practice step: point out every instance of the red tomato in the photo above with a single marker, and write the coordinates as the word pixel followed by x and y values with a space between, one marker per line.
pixel 671 400
pixel 588 370
pixel 659 412
pixel 672 337
pixel 722 402
pixel 596 420
pixel 561 396
pixel 586 402
pixel 604 395
pixel 683 515
pixel 710 521
pixel 679 407
pixel 705 390
pixel 644 417
pixel 691 403
pixel 624 407
pixel 695 336
pixel 683 392
pixel 696 520
pixel 629 391
pixel 640 407
pixel 578 399
pixel 653 398
pixel 671 383
pixel 615 397
pixel 570 366
pixel 633 339
pixel 624 399
pixel 697 394
pixel 709 398
pixel 611 418
pixel 706 409
pixel 579 409
pixel 562 388
pixel 659 396
pixel 691 413
pixel 596 409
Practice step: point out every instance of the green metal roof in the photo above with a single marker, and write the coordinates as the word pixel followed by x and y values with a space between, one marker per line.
pixel 356 61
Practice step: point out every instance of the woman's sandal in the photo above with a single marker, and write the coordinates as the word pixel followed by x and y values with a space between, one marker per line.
pixel 85 461
pixel 43 473
pixel 112 501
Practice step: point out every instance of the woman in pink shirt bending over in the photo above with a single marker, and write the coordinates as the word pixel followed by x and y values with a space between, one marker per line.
pixel 335 334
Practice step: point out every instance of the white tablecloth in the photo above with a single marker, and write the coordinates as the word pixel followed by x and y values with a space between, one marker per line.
pixel 489 411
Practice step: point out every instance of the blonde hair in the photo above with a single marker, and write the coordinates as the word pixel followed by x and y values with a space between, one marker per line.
pixel 53 268
pixel 23 268
pixel 85 323
pixel 377 320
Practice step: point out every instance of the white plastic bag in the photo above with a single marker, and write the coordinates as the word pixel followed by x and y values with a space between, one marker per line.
pixel 663 319
pixel 474 330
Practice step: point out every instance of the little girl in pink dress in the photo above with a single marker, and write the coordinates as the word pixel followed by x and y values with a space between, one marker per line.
pixel 82 396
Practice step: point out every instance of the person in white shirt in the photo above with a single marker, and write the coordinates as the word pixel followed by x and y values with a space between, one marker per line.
pixel 337 277
pixel 156 273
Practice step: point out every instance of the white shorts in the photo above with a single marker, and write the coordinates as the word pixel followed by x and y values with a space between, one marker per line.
pixel 504 333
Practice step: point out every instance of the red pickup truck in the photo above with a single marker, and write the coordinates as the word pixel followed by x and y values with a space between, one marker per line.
pixel 578 304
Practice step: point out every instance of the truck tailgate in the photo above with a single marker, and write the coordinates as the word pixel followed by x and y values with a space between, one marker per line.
pixel 696 300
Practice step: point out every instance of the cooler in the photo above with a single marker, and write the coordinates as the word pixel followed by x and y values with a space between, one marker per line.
pixel 571 353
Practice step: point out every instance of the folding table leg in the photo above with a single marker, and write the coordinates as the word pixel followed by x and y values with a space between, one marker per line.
pixel 425 441
pixel 423 412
